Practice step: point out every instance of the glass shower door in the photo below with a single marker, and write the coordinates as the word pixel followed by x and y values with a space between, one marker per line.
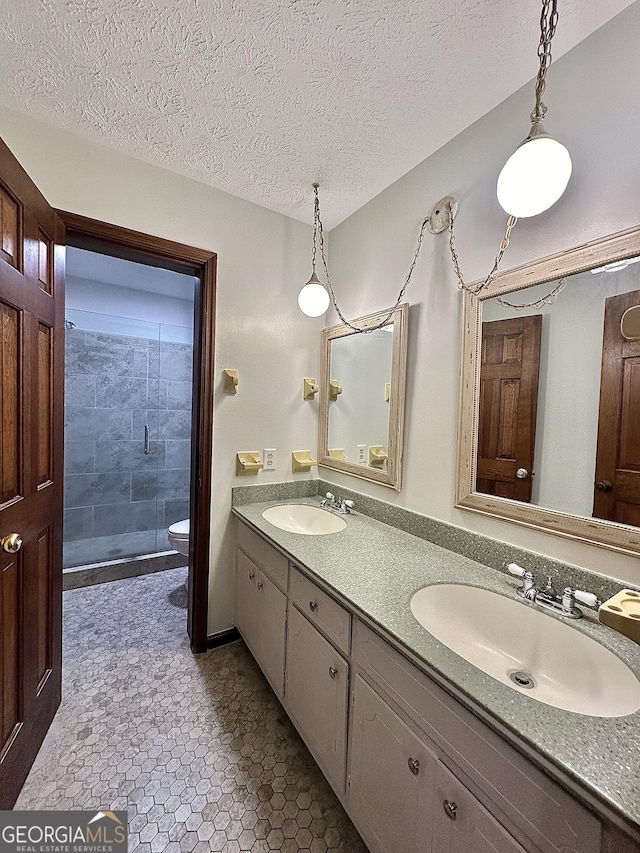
pixel 176 380
pixel 112 448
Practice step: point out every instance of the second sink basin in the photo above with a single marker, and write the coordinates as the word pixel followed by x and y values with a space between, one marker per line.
pixel 524 648
pixel 299 518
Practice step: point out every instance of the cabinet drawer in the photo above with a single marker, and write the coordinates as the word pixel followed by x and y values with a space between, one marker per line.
pixel 548 815
pixel 264 555
pixel 332 618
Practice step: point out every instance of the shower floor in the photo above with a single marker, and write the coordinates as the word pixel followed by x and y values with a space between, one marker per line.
pixel 102 549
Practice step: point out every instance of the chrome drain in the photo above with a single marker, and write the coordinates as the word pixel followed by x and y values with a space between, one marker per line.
pixel 522 679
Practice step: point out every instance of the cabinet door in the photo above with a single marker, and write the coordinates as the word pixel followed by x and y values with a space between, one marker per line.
pixel 246 600
pixel 462 824
pixel 316 695
pixel 392 776
pixel 271 625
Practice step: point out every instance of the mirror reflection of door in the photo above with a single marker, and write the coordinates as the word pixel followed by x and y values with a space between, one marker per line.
pixel 617 485
pixel 508 406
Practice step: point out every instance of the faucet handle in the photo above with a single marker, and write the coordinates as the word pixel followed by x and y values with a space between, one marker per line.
pixel 527 590
pixel 587 598
pixel 350 504
pixel 570 596
pixel 330 497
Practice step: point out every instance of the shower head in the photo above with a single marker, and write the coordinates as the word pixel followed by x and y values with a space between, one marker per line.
pixel 69 324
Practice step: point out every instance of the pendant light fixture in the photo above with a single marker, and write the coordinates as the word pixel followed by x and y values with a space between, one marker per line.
pixel 531 181
pixel 537 173
pixel 314 298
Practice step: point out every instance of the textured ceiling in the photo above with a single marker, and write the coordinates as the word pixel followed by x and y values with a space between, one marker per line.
pixel 260 97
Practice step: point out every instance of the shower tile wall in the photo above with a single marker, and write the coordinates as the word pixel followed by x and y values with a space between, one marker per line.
pixel 119 502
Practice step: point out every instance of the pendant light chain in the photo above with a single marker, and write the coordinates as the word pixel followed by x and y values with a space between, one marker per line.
pixel 511 221
pixel 549 299
pixel 548 24
pixel 317 229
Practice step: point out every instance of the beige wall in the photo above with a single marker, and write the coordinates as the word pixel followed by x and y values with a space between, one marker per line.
pixel 592 98
pixel 263 257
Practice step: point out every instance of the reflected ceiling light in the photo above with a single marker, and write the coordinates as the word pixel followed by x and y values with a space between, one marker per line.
pixel 537 173
pixel 615 266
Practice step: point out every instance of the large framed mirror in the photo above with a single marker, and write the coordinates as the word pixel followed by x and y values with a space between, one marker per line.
pixel 549 429
pixel 362 393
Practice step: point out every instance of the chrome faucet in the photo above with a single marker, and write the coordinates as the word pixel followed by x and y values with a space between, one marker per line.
pixel 341 506
pixel 548 599
pixel 329 502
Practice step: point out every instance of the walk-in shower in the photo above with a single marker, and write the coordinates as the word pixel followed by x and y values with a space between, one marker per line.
pixel 128 371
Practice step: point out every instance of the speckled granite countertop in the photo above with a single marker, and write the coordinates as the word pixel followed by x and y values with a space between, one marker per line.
pixel 377 569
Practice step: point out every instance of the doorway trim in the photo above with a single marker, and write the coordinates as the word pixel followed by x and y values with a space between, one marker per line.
pixel 97 236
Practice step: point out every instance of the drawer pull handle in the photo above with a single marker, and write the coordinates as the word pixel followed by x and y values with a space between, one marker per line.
pixel 251 576
pixel 450 809
pixel 260 584
pixel 313 606
pixel 333 671
pixel 414 766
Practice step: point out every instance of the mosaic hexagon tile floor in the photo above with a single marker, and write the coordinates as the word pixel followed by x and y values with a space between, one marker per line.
pixel 197 749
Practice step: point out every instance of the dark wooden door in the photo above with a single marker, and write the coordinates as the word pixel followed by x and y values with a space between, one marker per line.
pixel 510 365
pixel 617 482
pixel 31 423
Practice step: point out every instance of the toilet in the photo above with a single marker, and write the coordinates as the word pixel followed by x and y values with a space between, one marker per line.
pixel 178 536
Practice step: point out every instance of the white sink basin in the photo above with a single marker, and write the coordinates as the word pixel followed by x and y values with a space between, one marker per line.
pixel 502 636
pixel 310 520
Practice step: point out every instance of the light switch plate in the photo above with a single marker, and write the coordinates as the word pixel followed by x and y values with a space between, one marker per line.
pixel 269 459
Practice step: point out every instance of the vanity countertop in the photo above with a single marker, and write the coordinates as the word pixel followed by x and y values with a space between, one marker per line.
pixel 377 569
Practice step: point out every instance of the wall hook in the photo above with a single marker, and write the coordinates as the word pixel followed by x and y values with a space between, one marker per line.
pixel 334 390
pixel 230 381
pixel 309 389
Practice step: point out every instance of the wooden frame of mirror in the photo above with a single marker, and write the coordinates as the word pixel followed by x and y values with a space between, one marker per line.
pixel 596 531
pixel 392 477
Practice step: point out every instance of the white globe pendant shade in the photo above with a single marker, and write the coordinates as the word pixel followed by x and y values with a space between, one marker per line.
pixel 313 299
pixel 534 177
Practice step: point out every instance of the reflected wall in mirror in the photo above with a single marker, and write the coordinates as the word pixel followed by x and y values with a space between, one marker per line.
pixel 550 415
pixel 362 398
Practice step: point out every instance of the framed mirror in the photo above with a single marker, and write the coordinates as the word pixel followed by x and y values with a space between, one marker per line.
pixel 362 393
pixel 549 429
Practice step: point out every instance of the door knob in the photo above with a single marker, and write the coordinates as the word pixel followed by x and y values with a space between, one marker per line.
pixel 522 473
pixel 603 486
pixel 12 543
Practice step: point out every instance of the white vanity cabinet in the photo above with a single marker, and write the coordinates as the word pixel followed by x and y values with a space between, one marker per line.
pixel 416 770
pixel 391 777
pixel 261 618
pixel 461 822
pixel 317 693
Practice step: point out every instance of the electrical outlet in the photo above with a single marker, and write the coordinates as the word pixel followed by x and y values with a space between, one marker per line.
pixel 361 456
pixel 269 459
